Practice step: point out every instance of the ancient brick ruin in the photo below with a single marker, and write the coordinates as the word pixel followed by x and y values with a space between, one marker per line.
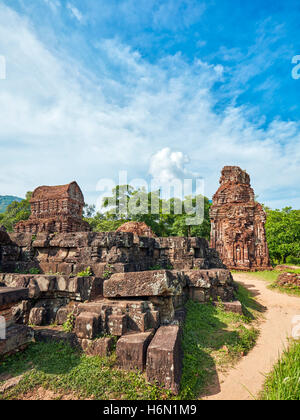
pixel 130 287
pixel 238 223
pixel 138 229
pixel 125 298
pixel 55 209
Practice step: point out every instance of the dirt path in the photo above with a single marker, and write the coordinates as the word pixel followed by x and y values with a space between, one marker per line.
pixel 248 375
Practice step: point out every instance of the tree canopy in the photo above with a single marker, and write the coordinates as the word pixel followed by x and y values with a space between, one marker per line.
pixel 283 235
pixel 15 212
pixel 165 217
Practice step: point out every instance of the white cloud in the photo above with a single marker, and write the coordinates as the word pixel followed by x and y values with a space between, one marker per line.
pixel 59 122
pixel 165 165
pixel 53 4
pixel 75 12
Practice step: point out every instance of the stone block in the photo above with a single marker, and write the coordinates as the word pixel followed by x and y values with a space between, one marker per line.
pixel 87 325
pixel 37 316
pixel 117 325
pixel 235 306
pixel 100 347
pixel 198 295
pixel 12 295
pixel 47 334
pixel 132 350
pixel 62 315
pixel 145 283
pixel 164 358
pixel 17 338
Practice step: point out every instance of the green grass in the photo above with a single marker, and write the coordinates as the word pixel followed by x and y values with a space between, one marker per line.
pixel 272 276
pixel 62 369
pixel 211 338
pixel 283 383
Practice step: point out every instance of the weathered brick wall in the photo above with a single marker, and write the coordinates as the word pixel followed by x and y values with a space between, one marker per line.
pixel 105 253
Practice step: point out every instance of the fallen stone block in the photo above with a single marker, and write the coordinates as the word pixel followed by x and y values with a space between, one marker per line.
pixel 47 334
pixel 235 306
pixel 100 347
pixel 17 338
pixel 87 325
pixel 132 350
pixel 37 316
pixel 164 358
pixel 144 283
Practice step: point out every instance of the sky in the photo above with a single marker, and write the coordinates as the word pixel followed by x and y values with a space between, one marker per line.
pixel 158 88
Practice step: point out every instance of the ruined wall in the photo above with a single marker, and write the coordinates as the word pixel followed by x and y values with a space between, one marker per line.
pixel 137 294
pixel 238 223
pixel 106 253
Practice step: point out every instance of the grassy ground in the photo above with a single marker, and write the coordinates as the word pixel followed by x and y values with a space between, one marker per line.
pixel 272 276
pixel 212 338
pixel 283 383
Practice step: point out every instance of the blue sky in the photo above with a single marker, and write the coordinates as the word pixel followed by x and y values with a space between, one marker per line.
pixel 158 88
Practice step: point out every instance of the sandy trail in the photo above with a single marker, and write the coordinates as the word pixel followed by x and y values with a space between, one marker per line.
pixel 247 377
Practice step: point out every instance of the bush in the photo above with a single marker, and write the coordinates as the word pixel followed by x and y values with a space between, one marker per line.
pixel 293 260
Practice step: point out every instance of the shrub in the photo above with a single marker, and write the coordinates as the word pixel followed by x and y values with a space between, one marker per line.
pixel 293 260
pixel 85 273
pixel 68 326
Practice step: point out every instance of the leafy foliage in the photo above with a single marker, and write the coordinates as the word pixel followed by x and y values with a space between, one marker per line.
pixel 16 212
pixel 283 234
pixel 85 273
pixel 69 325
pixel 164 217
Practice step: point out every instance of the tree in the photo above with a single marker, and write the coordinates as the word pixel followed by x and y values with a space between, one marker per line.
pixel 283 234
pixel 16 212
pixel 129 204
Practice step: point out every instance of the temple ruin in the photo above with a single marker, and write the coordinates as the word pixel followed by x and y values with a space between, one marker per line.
pixel 127 286
pixel 55 209
pixel 238 223
pixel 137 228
